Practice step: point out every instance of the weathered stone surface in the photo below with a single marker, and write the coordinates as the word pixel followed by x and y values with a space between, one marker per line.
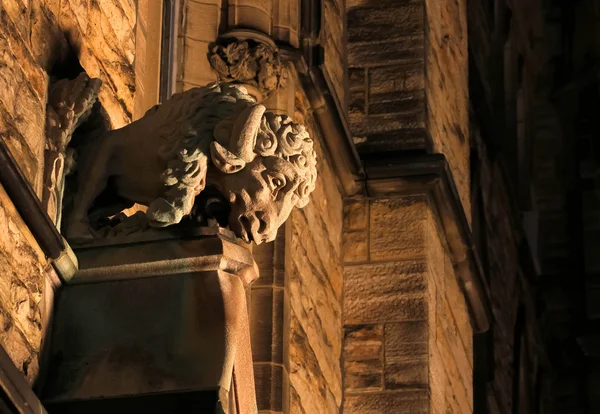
pixel 363 342
pixel 366 375
pixel 400 374
pixel 356 246
pixel 21 152
pixel 375 22
pixel 307 376
pixel 332 39
pixel 447 88
pixel 356 215
pixel 399 402
pixel 18 97
pixel 397 228
pixel 314 289
pixel 406 340
pixel 21 288
pixel 202 21
pixel 18 12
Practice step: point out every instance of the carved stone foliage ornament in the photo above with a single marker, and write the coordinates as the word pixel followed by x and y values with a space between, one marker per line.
pixel 249 62
pixel 209 153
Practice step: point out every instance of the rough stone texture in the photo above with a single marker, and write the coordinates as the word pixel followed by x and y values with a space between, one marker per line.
pixel 201 22
pixel 313 271
pixel 333 41
pixel 386 74
pixel 36 36
pixel 407 332
pixel 446 88
pixel 23 268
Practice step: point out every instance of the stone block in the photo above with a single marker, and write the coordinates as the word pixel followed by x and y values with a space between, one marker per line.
pixel 375 310
pixel 196 67
pixel 121 18
pixel 75 12
pixel 315 387
pixel 400 126
pixel 403 373
pixel 202 21
pixel 22 265
pixel 251 14
pixel 20 352
pixel 409 49
pixel 406 339
pixel 397 102
pixel 384 292
pixel 15 48
pixel 405 139
pixel 409 77
pixel 399 402
pixel 18 12
pixel 26 117
pixel 363 342
pixel 356 247
pixel 117 62
pixel 366 375
pixel 357 104
pixel 367 24
pixel 397 228
pixel 29 165
pixel 356 79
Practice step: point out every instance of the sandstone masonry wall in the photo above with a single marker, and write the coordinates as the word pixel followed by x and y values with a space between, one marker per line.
pixel 313 272
pixel 40 39
pixel 333 40
pixel 446 87
pixel 386 74
pixel 407 337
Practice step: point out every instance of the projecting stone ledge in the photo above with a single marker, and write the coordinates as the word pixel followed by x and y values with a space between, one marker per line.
pixel 155 323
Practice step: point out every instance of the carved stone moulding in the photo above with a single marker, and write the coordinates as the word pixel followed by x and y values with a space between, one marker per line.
pixel 251 59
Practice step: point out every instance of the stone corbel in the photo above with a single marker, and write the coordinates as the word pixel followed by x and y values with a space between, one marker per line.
pixel 251 59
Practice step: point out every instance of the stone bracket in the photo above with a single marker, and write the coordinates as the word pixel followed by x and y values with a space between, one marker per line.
pixel 430 175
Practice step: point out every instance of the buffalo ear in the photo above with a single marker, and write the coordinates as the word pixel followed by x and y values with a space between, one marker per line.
pixel 302 202
pixel 224 159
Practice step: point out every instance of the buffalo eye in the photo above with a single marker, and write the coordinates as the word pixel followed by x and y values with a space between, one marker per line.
pixel 276 182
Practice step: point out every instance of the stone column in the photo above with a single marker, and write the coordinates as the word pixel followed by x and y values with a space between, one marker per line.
pixel 155 322
pixel 252 14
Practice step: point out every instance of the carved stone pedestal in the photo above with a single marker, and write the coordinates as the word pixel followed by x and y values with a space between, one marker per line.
pixel 155 323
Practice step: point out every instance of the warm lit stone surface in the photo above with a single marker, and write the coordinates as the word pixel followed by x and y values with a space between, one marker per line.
pixel 22 266
pixel 35 36
pixel 406 324
pixel 314 290
pixel 446 88
pixel 333 39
